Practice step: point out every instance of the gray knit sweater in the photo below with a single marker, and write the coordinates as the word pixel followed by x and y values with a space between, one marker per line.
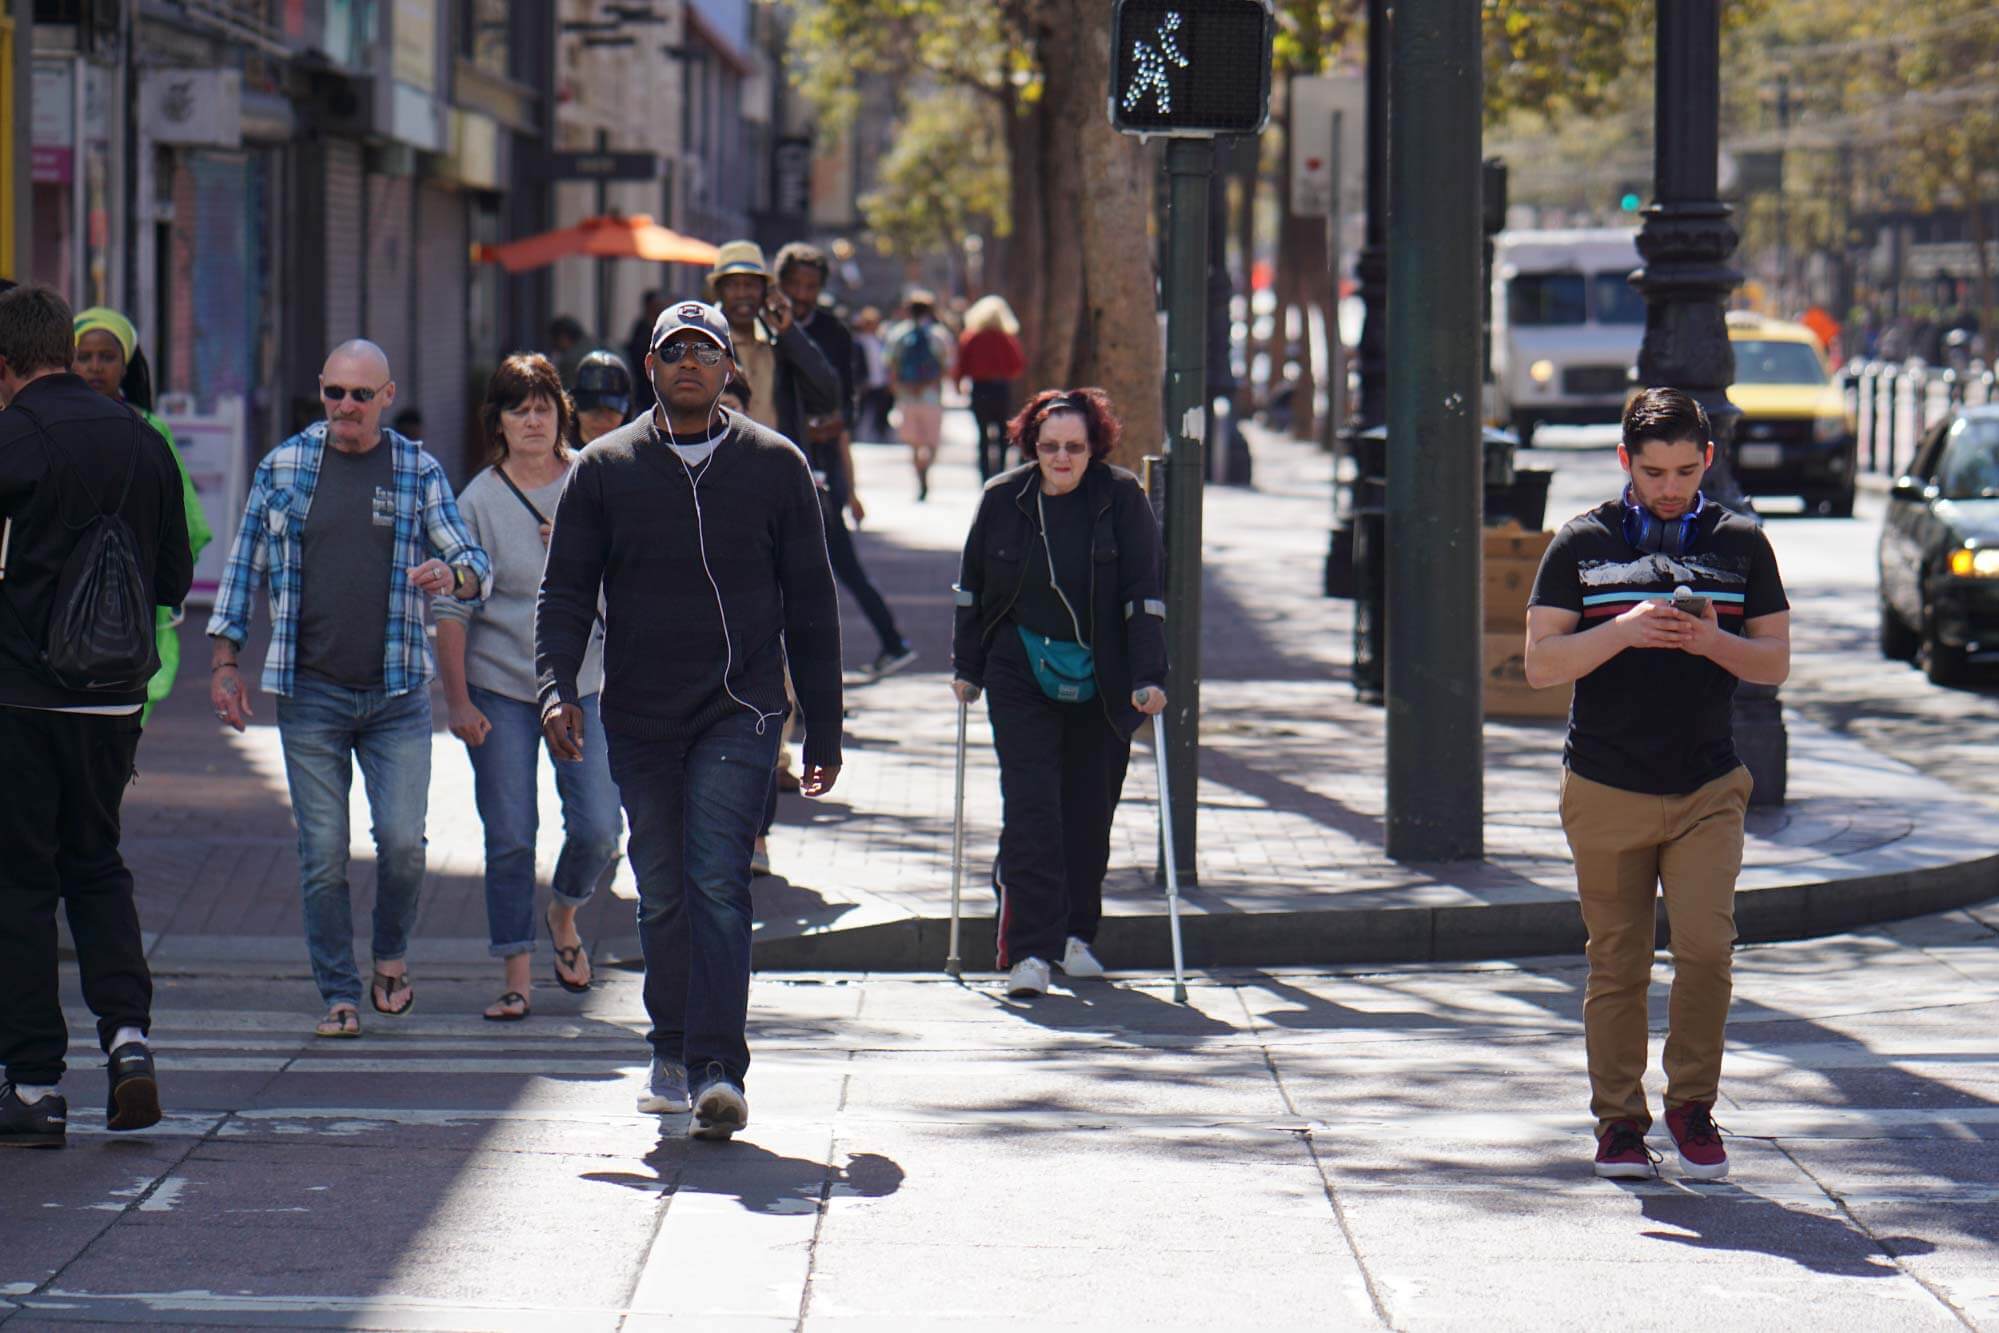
pixel 499 647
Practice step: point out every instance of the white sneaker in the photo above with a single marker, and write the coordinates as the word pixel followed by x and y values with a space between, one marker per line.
pixel 1078 961
pixel 719 1111
pixel 1029 977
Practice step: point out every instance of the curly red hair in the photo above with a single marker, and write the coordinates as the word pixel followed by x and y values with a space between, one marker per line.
pixel 1092 405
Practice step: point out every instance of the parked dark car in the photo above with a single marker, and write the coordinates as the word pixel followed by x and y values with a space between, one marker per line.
pixel 1940 550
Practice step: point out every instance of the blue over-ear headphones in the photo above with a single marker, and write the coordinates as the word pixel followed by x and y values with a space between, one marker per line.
pixel 1654 535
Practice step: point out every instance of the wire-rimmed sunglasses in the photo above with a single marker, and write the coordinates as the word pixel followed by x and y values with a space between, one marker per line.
pixel 333 393
pixel 673 353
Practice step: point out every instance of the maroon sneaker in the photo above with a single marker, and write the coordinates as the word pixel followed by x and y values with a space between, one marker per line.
pixel 1699 1140
pixel 1621 1153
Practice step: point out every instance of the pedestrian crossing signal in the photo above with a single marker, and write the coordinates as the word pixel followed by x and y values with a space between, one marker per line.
pixel 1192 68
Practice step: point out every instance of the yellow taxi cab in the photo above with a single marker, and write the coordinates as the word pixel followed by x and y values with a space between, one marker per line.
pixel 1796 436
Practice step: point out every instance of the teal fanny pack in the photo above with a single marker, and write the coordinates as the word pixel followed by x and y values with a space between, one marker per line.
pixel 1066 671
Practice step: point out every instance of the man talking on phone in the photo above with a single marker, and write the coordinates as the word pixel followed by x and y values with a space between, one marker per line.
pixel 1653 794
pixel 790 379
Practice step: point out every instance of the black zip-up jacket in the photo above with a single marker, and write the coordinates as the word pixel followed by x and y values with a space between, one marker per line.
pixel 807 384
pixel 52 482
pixel 1127 598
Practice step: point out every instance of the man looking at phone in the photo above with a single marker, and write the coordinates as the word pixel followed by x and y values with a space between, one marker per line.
pixel 791 381
pixel 1653 794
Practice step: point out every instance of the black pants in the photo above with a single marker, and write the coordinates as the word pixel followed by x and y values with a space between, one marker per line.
pixel 992 403
pixel 1061 772
pixel 847 568
pixel 62 780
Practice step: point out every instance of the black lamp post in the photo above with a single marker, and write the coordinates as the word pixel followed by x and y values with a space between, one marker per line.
pixel 1687 242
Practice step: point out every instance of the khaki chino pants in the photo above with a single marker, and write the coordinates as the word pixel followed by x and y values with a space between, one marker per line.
pixel 1628 848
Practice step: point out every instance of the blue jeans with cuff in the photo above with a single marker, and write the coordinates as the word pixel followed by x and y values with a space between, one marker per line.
pixel 324 728
pixel 694 807
pixel 505 782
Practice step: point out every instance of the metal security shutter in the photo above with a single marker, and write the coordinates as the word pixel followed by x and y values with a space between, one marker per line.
pixel 344 232
pixel 387 317
pixel 441 390
pixel 221 295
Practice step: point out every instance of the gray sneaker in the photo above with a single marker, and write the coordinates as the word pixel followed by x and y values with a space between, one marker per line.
pixel 666 1088
pixel 721 1110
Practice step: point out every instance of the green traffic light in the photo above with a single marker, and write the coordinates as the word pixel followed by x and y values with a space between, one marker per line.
pixel 1630 203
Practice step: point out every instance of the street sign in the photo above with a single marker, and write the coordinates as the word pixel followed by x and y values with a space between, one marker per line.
pixel 604 166
pixel 1328 135
pixel 1191 68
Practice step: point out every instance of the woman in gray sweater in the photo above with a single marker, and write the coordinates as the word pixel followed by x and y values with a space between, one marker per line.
pixel 486 657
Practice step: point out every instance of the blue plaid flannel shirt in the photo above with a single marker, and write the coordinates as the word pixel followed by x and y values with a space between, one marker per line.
pixel 269 547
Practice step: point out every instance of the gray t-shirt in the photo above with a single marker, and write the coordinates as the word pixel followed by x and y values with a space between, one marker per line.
pixel 347 555
pixel 499 634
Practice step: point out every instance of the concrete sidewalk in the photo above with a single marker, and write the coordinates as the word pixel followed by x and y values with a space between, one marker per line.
pixel 1292 870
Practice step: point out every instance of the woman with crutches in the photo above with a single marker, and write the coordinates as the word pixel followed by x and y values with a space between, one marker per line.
pixel 1061 623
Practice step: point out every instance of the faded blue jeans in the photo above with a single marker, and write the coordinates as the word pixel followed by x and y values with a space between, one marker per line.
pixel 695 807
pixel 505 773
pixel 325 728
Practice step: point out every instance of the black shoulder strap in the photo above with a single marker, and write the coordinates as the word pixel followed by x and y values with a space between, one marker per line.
pixel 519 494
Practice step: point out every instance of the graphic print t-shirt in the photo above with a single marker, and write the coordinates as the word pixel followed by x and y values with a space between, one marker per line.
pixel 1656 720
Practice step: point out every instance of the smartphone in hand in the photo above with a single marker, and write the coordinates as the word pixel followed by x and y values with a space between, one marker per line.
pixel 1686 602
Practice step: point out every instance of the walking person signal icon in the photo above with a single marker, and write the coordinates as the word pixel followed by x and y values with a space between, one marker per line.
pixel 1190 68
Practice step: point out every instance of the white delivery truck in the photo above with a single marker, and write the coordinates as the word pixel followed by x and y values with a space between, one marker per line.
pixel 1566 324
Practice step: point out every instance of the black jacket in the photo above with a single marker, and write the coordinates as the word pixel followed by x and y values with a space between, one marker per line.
pixel 844 354
pixel 807 384
pixel 1126 589
pixel 53 480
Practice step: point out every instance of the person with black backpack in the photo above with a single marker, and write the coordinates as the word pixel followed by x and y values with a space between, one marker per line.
pixel 93 538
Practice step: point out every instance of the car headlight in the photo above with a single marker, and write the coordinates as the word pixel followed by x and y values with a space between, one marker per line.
pixel 1829 430
pixel 1542 371
pixel 1968 563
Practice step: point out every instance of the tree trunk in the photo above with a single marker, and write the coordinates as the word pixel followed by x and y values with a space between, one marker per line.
pixel 1064 106
pixel 1120 299
pixel 1245 394
pixel 1024 278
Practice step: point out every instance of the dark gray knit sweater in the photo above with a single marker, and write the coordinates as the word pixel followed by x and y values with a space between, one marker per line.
pixel 629 521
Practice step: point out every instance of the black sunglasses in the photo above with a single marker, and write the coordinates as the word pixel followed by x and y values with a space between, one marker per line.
pixel 705 352
pixel 333 393
pixel 1074 448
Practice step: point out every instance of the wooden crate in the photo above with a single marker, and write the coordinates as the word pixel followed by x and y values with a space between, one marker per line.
pixel 1507 693
pixel 1512 558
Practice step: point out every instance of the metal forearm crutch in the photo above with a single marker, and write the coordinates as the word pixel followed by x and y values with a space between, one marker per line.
pixel 1172 857
pixel 951 965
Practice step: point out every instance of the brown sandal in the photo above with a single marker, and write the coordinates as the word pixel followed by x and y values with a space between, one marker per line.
pixel 342 1020
pixel 385 987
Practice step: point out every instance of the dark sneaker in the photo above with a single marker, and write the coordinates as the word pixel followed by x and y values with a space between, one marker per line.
pixel 1621 1153
pixel 1699 1139
pixel 892 661
pixel 721 1109
pixel 42 1124
pixel 134 1102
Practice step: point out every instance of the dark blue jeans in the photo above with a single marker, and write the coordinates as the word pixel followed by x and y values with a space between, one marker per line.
pixel 694 807
pixel 325 728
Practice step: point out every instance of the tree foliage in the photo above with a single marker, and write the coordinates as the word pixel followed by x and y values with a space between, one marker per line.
pixel 943 179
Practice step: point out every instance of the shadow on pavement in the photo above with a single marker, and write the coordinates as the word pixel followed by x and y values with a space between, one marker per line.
pixel 760 1180
pixel 1758 1225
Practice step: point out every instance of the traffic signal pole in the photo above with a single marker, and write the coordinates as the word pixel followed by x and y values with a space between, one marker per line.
pixel 1190 164
pixel 1436 761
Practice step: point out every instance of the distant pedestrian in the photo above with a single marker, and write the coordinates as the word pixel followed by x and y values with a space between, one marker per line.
pixel 877 399
pixel 801 273
pixel 919 357
pixel 989 361
pixel 790 379
pixel 1061 622
pixel 107 355
pixel 703 534
pixel 90 500
pixel 603 395
pixel 639 341
pixel 566 346
pixel 485 657
pixel 1653 793
pixel 353 526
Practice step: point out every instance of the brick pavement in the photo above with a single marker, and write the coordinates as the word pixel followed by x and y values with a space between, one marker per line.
pixel 1291 793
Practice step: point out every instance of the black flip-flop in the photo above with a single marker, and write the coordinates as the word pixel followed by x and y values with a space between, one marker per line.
pixel 511 997
pixel 566 958
pixel 384 986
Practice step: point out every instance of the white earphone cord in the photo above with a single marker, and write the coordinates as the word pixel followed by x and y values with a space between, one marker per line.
pixel 701 541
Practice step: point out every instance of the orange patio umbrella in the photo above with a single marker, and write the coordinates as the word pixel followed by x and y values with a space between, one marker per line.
pixel 614 237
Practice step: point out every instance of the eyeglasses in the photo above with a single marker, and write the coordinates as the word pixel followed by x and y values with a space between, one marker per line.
pixel 333 393
pixel 705 352
pixel 1074 448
